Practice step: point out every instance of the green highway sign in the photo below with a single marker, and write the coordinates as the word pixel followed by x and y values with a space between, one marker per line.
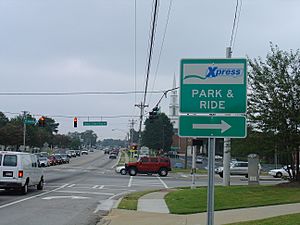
pixel 213 86
pixel 213 126
pixel 95 123
pixel 29 121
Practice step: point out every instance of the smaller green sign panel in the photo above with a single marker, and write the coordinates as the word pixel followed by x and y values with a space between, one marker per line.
pixel 213 126
pixel 95 123
pixel 29 121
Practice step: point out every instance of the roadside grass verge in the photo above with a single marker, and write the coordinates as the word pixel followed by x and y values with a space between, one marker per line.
pixel 179 170
pixel 130 201
pixel 292 219
pixel 122 159
pixel 189 201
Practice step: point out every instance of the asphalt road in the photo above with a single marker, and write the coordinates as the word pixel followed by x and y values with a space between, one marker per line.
pixel 79 193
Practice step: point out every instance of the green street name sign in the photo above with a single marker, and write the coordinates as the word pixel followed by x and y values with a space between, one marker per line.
pixel 95 123
pixel 29 121
pixel 213 126
pixel 213 86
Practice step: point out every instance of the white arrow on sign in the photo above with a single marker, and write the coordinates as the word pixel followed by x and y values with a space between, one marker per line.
pixel 223 126
pixel 64 197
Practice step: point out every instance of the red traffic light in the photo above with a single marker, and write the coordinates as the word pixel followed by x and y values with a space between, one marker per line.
pixel 75 121
pixel 42 121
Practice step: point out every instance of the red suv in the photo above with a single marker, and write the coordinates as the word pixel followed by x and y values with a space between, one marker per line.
pixel 160 165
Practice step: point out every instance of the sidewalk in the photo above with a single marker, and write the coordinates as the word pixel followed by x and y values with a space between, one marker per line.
pixel 151 208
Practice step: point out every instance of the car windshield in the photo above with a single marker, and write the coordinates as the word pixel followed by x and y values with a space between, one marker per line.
pixel 42 158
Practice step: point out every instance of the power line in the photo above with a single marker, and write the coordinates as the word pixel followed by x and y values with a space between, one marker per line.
pixel 75 93
pixel 162 44
pixel 78 116
pixel 153 26
pixel 235 22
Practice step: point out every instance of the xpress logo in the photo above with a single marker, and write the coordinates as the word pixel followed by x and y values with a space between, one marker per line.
pixel 215 71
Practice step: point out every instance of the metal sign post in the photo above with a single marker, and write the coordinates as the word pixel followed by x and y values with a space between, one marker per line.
pixel 211 181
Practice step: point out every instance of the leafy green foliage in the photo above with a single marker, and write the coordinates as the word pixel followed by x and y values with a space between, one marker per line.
pixel 158 133
pixel 274 99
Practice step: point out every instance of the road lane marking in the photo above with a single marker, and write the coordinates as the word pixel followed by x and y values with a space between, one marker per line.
pixel 101 187
pixel 65 197
pixel 86 192
pixel 72 185
pixel 95 186
pixel 164 184
pixel 32 197
pixel 130 181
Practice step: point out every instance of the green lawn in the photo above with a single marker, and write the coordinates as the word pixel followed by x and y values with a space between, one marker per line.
pixel 179 170
pixel 194 200
pixel 293 219
pixel 130 201
pixel 122 158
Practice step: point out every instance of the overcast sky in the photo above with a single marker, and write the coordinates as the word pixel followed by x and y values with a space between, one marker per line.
pixel 88 45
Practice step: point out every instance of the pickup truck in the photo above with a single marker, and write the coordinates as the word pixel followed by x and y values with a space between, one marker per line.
pixel 149 165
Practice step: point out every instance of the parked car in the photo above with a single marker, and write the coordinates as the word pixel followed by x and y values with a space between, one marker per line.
pixel 199 159
pixel 65 158
pixel 73 153
pixel 149 165
pixel 53 161
pixel 69 154
pixel 78 152
pixel 179 165
pixel 236 168
pixel 58 158
pixel 43 161
pixel 84 152
pixel 282 172
pixel 112 156
pixel 121 170
pixel 106 151
pixel 20 170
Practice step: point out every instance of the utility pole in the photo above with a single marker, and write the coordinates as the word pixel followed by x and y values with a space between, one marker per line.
pixel 141 106
pixel 227 145
pixel 131 124
pixel 24 129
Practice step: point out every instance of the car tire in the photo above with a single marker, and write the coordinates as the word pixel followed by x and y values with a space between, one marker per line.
pixel 246 176
pixel 221 174
pixel 278 174
pixel 40 185
pixel 24 189
pixel 132 171
pixel 163 172
pixel 123 172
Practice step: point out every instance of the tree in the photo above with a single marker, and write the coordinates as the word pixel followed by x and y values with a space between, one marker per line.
pixel 89 137
pixel 158 133
pixel 3 120
pixel 274 101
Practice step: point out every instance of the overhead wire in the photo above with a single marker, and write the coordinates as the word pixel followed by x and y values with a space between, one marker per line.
pixel 237 12
pixel 153 30
pixel 237 24
pixel 161 47
pixel 74 93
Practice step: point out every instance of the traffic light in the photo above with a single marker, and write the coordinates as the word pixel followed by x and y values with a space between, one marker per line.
pixel 75 121
pixel 42 121
pixel 153 115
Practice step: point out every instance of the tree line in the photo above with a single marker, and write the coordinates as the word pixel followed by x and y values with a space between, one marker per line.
pixel 11 134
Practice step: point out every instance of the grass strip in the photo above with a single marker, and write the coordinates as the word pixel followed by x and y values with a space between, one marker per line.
pixel 130 201
pixel 292 219
pixel 189 201
pixel 179 170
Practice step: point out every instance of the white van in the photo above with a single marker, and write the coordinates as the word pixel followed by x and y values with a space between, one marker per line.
pixel 19 170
